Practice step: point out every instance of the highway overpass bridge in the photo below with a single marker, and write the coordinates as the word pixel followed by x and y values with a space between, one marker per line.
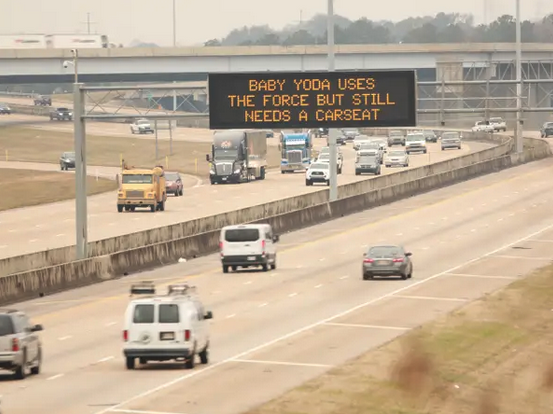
pixel 433 61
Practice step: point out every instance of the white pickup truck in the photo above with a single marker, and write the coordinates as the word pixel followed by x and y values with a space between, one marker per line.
pixel 498 124
pixel 483 126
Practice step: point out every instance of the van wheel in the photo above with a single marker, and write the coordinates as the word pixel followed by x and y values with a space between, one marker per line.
pixel 264 267
pixel 225 269
pixel 190 362
pixel 273 266
pixel 143 361
pixel 234 268
pixel 130 362
pixel 204 355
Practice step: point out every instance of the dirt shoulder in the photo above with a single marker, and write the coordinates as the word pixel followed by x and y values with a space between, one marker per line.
pixel 492 356
pixel 24 188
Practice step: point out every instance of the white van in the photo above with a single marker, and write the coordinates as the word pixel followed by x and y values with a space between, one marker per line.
pixel 165 327
pixel 248 245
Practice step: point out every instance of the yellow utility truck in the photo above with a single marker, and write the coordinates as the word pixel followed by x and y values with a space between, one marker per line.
pixel 142 188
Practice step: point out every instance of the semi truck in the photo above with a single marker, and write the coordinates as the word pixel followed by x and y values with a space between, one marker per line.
pixel 237 156
pixel 142 188
pixel 296 151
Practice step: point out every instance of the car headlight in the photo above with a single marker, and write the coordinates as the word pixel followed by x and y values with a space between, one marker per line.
pixel 211 172
pixel 237 171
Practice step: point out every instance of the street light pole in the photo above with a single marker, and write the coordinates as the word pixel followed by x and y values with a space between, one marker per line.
pixel 333 193
pixel 81 226
pixel 76 64
pixel 519 129
pixel 174 23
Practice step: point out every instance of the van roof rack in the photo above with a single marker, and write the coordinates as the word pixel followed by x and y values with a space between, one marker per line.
pixel 143 288
pixel 181 289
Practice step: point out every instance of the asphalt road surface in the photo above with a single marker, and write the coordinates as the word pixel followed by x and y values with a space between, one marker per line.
pixel 272 331
pixel 45 227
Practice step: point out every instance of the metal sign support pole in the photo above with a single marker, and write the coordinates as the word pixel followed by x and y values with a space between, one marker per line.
pixel 170 137
pixel 332 133
pixel 80 173
pixel 157 149
pixel 519 139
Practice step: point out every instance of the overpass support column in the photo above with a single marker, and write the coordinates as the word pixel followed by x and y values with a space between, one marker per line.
pixel 80 173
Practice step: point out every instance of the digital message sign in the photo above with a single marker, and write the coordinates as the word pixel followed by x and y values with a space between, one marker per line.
pixel 267 100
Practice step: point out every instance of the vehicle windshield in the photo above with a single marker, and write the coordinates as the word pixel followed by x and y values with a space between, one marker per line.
pixel 319 166
pixel 63 109
pixel 143 122
pixel 69 155
pixel 226 154
pixel 324 156
pixel 450 135
pixel 496 119
pixel 414 137
pixel 396 154
pixel 368 159
pixel 384 251
pixel 295 146
pixel 242 235
pixel 138 178
pixel 395 133
pixel 171 176
pixel 548 124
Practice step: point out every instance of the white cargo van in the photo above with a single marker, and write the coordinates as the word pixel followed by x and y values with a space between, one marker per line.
pixel 165 327
pixel 248 245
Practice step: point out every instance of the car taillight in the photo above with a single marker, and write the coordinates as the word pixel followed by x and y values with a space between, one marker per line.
pixel 398 260
pixel 263 247
pixel 187 335
pixel 221 248
pixel 125 335
pixel 15 345
pixel 368 260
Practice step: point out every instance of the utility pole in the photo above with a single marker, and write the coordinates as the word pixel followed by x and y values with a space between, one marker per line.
pixel 80 173
pixel 332 133
pixel 89 24
pixel 519 129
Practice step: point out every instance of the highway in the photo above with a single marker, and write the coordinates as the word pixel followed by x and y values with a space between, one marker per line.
pixel 272 331
pixel 114 129
pixel 44 227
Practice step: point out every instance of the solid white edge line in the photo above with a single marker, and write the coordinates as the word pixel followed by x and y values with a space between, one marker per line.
pixel 316 324
pixel 290 364
pixel 142 412
pixel 437 298
pixel 358 325
pixel 482 276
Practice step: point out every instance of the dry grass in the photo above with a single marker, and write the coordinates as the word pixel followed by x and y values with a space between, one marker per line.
pixel 27 144
pixel 494 356
pixel 92 97
pixel 23 188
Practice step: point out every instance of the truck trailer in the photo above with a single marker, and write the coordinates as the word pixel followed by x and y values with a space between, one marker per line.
pixel 54 41
pixel 296 151
pixel 237 156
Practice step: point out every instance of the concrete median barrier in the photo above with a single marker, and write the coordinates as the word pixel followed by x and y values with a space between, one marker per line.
pixel 307 210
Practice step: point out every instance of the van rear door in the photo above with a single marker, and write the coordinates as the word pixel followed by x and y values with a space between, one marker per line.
pixel 242 242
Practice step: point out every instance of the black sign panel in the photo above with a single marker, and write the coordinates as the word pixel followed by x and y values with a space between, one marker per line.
pixel 268 100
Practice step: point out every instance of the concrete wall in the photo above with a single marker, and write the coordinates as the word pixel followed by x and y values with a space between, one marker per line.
pixel 31 284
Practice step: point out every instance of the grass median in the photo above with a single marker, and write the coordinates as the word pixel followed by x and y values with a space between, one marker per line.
pixel 24 188
pixel 36 145
pixel 493 356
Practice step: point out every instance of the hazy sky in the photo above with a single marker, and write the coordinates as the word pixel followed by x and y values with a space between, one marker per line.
pixel 200 20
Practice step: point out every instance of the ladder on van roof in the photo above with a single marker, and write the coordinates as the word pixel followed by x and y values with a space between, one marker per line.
pixel 148 288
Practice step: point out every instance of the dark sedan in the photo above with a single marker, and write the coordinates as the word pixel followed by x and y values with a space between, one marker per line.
pixel 173 184
pixel 67 160
pixel 5 109
pixel 547 130
pixel 387 261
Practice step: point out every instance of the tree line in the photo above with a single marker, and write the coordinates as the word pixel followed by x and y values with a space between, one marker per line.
pixel 442 28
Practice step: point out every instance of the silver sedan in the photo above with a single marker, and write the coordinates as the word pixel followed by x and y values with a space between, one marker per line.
pixel 387 261
pixel 396 158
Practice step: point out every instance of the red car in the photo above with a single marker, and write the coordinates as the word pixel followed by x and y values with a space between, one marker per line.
pixel 173 184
